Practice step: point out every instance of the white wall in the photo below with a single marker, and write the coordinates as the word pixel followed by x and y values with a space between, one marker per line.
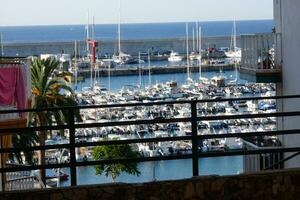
pixel 287 22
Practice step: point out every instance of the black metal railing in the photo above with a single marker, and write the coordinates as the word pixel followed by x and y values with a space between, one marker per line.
pixel 193 119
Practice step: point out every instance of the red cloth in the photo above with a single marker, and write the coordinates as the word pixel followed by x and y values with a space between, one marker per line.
pixel 13 87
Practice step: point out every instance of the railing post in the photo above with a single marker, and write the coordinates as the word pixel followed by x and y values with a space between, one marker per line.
pixel 71 125
pixel 194 138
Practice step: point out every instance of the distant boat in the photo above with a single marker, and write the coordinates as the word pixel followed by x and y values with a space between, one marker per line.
pixel 174 57
pixel 234 53
pixel 121 57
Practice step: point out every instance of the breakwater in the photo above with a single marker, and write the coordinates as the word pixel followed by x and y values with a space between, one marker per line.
pixel 124 71
pixel 109 47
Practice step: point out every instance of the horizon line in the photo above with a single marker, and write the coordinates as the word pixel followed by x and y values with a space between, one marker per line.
pixel 129 23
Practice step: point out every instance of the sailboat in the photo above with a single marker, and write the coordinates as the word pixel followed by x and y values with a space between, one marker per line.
pixel 235 53
pixel 189 79
pixel 149 69
pixel 120 57
pixel 140 72
pixel 199 44
pixel 195 55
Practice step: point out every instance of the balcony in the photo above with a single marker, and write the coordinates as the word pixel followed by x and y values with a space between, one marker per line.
pixel 262 142
pixel 261 58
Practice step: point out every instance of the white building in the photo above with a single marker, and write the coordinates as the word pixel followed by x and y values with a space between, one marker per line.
pixel 287 23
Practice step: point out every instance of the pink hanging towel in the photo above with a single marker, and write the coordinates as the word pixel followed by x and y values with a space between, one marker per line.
pixel 12 87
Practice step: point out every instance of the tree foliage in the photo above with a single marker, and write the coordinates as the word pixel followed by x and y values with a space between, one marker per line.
pixel 107 152
pixel 49 90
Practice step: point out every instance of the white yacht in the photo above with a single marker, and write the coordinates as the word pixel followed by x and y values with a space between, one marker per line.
pixel 234 55
pixel 174 57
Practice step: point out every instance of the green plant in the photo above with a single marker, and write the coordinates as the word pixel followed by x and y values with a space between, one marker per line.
pixel 123 151
pixel 50 90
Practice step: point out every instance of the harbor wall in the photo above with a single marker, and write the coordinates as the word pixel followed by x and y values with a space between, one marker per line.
pixel 263 185
pixel 156 70
pixel 109 47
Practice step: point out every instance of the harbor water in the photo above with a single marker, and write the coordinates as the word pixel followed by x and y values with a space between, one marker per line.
pixel 164 170
pixel 117 82
pixel 36 40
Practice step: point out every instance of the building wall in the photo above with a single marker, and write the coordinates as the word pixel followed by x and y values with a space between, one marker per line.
pixel 287 22
pixel 267 185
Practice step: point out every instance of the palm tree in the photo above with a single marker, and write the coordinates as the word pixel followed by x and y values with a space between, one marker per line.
pixel 50 90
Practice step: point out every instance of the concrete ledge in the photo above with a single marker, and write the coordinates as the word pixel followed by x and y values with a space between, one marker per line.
pixel 267 185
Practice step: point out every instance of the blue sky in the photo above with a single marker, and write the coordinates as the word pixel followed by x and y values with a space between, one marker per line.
pixel 57 12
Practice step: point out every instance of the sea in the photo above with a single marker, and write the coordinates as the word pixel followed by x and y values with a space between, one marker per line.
pixel 31 38
pixel 106 32
pixel 36 40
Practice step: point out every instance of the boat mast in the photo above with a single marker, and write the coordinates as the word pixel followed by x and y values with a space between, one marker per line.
pixel 187 51
pixel 88 48
pixel 109 66
pixel 234 34
pixel 1 42
pixel 140 71
pixel 234 51
pixel 200 55
pixel 197 34
pixel 75 65
pixel 93 28
pixel 119 29
pixel 87 35
pixel 96 70
pixel 149 68
pixel 193 40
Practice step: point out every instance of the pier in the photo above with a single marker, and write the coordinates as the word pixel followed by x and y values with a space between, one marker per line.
pixel 125 71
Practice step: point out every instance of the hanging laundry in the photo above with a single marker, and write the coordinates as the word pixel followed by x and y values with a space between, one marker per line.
pixel 13 87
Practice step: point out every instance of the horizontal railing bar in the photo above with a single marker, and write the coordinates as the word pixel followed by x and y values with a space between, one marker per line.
pixel 91 144
pixel 151 103
pixel 34 167
pixel 145 159
pixel 282 161
pixel 22 178
pixel 4 131
pixel 134 141
pixel 248 116
pixel 35 148
pixel 149 140
pixel 249 134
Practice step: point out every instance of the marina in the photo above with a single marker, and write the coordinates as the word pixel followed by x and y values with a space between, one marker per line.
pixel 171 91
pixel 158 100
pixel 156 70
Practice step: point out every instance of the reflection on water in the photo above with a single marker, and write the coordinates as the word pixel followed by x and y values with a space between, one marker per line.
pixel 164 170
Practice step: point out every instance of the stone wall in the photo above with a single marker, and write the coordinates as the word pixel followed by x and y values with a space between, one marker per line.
pixel 128 46
pixel 269 185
